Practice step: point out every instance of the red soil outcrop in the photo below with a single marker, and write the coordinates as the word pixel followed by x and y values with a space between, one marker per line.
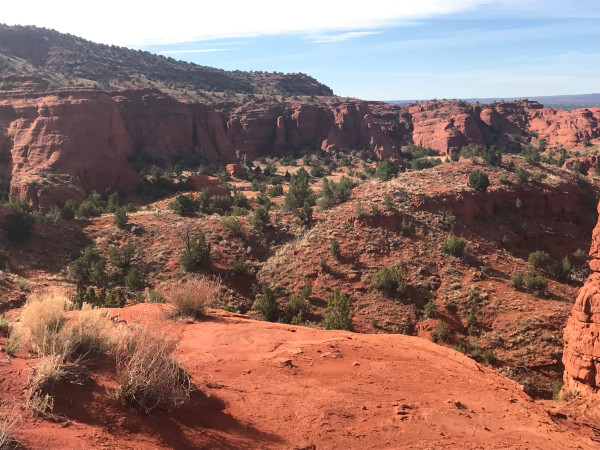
pixel 200 182
pixel 265 385
pixel 581 356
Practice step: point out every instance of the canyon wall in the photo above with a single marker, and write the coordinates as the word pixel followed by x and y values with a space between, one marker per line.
pixel 61 144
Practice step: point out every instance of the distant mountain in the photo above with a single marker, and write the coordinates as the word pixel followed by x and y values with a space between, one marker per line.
pixel 59 60
pixel 567 102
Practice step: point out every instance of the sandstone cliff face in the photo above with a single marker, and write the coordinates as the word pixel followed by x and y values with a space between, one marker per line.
pixel 449 125
pixel 89 134
pixel 76 134
pixel 566 128
pixel 445 126
pixel 581 355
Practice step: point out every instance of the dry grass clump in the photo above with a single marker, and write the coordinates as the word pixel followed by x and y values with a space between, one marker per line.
pixel 61 348
pixel 6 426
pixel 191 298
pixel 42 320
pixel 92 332
pixel 148 374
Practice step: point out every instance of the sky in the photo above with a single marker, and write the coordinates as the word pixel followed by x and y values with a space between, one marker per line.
pixel 375 50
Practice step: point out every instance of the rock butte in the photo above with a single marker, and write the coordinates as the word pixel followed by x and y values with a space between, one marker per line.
pixel 89 134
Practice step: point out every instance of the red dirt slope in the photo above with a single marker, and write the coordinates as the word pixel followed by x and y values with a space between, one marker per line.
pixel 278 386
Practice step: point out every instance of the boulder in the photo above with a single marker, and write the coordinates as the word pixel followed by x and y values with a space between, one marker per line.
pixel 200 182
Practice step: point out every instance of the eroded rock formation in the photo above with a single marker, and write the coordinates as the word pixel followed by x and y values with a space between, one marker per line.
pixel 48 140
pixel 581 356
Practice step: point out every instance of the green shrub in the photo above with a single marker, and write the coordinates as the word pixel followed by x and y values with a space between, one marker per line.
pixel 492 156
pixel 386 170
pixel 196 255
pixel 441 332
pixel 88 268
pixel 522 175
pixel 266 304
pixel 536 283
pixel 478 181
pixel 471 322
pixel 133 279
pixel 335 249
pixel 18 226
pixel 471 150
pixel 122 257
pixel 334 193
pixel 489 356
pixel 316 170
pixel 68 210
pixel 390 280
pixel 92 206
pixel 296 309
pixel 299 192
pixel 562 270
pixel 184 205
pixel 539 260
pixel 155 296
pixel 304 215
pixel 338 315
pixel 241 266
pixel 257 186
pixel 120 218
pixel 517 280
pixel 424 163
pixel 455 246
pixel 261 220
pixel 53 214
pixel 538 177
pixel 531 154
pixel 557 387
pixel 430 309
pixel 449 221
pixel 388 202
pixel 275 191
pixel 405 227
pixel 233 225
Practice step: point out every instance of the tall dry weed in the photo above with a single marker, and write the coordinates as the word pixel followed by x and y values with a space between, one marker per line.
pixel 148 374
pixel 190 299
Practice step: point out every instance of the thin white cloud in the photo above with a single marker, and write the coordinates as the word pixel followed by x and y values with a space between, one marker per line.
pixel 198 50
pixel 329 38
pixel 138 23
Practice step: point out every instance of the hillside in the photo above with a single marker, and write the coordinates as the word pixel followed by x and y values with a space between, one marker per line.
pixel 64 61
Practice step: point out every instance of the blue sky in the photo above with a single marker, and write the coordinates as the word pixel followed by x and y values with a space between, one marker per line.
pixel 378 50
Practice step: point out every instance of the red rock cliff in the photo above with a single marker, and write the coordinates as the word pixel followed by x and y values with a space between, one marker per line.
pixel 581 355
pixel 89 134
pixel 63 134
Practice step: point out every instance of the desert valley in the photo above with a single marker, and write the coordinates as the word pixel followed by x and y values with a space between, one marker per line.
pixel 199 258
